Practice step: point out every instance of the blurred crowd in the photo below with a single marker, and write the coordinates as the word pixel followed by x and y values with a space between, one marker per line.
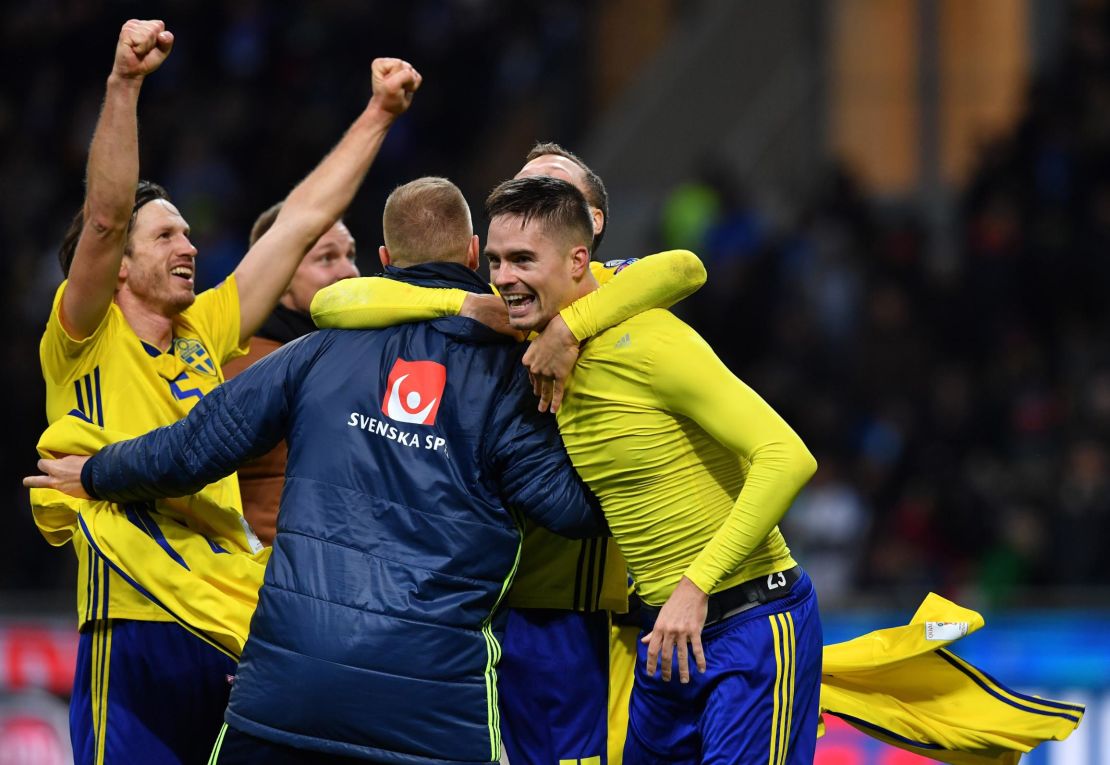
pixel 959 406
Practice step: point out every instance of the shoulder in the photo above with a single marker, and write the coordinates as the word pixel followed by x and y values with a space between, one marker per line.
pixel 214 301
pixel 603 271
pixel 59 349
pixel 654 321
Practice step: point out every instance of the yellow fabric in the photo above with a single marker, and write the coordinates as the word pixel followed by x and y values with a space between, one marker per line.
pixel 373 302
pixel 107 388
pixel 216 590
pixel 679 270
pixel 901 685
pixel 622 665
pixel 692 468
pixel 555 572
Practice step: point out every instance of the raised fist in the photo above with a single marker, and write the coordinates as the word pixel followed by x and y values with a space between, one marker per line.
pixel 142 47
pixel 394 82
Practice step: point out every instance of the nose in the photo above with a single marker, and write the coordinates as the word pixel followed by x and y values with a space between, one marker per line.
pixel 502 276
pixel 348 269
pixel 190 248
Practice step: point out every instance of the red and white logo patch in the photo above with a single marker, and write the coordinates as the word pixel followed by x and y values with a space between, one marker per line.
pixel 414 390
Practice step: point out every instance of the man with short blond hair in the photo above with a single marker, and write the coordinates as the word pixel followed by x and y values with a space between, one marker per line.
pixel 423 222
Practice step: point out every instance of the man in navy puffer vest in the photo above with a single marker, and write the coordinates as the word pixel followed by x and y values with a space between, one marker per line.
pixel 413 453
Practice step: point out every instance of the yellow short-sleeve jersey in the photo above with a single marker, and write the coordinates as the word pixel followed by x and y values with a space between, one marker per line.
pixel 114 381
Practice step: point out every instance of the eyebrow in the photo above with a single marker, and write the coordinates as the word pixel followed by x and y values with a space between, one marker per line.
pixel 491 254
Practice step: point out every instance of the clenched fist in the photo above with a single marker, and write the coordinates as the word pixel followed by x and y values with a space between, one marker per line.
pixel 142 47
pixel 394 82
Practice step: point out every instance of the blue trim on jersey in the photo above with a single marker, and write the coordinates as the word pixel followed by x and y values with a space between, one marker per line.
pixel 886 733
pixel 139 516
pixel 150 596
pixel 951 659
pixel 151 351
pixel 95 576
pixel 99 405
pixel 180 394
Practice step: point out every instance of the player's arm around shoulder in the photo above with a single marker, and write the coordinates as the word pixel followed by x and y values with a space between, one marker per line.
pixel 628 288
pixel 374 302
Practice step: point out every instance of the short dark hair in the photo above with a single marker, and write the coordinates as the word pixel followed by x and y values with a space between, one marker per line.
pixel 596 194
pixel 146 191
pixel 557 204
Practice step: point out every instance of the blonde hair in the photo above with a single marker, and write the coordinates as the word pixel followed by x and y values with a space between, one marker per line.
pixel 427 221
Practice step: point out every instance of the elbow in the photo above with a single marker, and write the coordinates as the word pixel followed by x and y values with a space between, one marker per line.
pixel 106 222
pixel 688 270
pixel 302 223
pixel 803 465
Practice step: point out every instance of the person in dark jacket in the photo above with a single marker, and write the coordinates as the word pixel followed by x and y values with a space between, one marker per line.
pixel 331 259
pixel 414 455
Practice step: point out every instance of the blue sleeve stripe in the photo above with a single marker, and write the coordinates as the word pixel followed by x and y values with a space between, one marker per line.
pixel 884 732
pixel 973 673
pixel 99 406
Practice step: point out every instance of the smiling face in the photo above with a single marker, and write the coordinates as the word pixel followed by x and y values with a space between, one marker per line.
pixel 331 259
pixel 533 271
pixel 159 263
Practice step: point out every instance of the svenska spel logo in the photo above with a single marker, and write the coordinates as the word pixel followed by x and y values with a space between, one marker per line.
pixel 413 391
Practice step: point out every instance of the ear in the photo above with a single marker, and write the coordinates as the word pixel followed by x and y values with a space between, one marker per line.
pixel 472 251
pixel 121 277
pixel 579 262
pixel 383 256
pixel 599 219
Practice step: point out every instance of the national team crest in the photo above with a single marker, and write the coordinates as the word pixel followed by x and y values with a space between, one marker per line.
pixel 190 351
pixel 413 391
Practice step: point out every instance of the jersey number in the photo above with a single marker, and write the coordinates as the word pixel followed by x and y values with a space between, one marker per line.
pixel 774 581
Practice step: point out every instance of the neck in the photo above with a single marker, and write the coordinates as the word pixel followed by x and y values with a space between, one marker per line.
pixel 584 286
pixel 150 325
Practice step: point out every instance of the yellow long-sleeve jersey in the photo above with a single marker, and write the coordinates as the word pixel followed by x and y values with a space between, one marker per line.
pixel 693 469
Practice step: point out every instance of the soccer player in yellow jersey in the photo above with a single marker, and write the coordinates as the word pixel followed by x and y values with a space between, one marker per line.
pixel 693 471
pixel 129 347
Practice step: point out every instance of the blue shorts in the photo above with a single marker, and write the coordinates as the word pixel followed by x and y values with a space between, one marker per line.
pixel 757 701
pixel 553 681
pixel 146 692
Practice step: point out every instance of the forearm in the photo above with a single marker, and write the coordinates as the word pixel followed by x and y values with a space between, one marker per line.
pixel 111 177
pixel 373 302
pixel 778 472
pixel 113 167
pixel 173 461
pixel 691 381
pixel 657 281
pixel 325 193
pixel 311 208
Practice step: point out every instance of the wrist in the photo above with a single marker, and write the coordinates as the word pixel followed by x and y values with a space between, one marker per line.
pixel 376 115
pixel 124 83
pixel 562 330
